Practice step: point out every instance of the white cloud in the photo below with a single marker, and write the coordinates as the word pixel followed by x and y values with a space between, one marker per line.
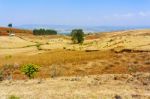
pixel 129 15
pixel 144 14
pixel 132 15
pixel 124 15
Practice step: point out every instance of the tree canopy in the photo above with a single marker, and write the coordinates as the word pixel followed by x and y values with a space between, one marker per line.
pixel 77 36
pixel 44 32
pixel 10 25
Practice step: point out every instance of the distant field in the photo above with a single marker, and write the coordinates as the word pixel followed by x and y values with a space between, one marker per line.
pixel 112 65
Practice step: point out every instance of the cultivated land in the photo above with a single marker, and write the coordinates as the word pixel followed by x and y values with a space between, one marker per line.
pixel 106 66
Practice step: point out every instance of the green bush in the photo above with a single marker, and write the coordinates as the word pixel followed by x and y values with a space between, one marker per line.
pixel 77 36
pixel 30 70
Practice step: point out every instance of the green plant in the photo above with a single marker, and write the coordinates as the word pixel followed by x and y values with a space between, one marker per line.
pixel 13 97
pixel 30 70
pixel 77 36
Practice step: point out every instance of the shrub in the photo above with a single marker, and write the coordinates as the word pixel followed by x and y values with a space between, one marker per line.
pixel 30 70
pixel 7 71
pixel 77 36
pixel 13 97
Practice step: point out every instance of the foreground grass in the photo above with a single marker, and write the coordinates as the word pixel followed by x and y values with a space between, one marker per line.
pixel 111 86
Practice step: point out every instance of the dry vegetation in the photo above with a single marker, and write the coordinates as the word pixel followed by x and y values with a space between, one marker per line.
pixel 124 52
pixel 89 87
pixel 79 63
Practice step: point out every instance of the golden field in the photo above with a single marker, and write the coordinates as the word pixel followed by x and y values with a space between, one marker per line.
pixel 121 54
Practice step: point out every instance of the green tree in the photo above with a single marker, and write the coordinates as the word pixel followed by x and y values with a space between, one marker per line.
pixel 77 36
pixel 30 70
pixel 44 32
pixel 10 25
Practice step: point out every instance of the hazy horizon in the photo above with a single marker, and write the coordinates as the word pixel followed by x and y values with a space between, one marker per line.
pixel 76 12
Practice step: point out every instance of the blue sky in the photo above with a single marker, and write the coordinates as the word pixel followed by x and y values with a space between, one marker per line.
pixel 75 12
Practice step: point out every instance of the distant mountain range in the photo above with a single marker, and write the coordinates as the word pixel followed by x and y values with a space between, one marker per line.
pixel 65 29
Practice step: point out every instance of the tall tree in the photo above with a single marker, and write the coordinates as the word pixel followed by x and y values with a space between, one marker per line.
pixel 10 26
pixel 77 36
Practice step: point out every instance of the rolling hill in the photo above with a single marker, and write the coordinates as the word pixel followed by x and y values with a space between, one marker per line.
pixel 4 31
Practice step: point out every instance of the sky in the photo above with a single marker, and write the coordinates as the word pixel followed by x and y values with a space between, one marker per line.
pixel 75 12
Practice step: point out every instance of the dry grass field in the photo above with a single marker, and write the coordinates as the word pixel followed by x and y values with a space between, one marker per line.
pixel 108 86
pixel 87 71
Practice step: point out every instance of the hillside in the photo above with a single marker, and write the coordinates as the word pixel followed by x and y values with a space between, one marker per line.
pixel 107 65
pixel 131 40
pixel 4 31
pixel 97 50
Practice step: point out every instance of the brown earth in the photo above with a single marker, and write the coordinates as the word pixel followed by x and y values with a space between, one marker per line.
pixel 4 31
